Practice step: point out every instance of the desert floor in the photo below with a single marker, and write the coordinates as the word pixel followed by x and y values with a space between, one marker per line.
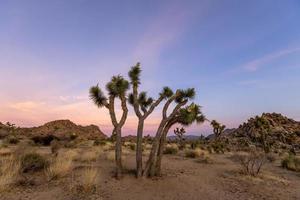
pixel 183 178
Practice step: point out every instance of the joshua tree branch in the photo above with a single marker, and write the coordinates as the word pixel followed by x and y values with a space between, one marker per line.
pixel 125 110
pixel 153 106
pixel 112 111
pixel 135 102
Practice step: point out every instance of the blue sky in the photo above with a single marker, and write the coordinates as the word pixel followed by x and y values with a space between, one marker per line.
pixel 243 57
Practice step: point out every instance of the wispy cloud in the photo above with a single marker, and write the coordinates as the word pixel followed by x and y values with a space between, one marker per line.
pixel 256 64
pixel 162 32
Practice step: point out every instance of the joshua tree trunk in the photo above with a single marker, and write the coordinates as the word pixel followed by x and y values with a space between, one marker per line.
pixel 161 148
pixel 118 128
pixel 150 165
pixel 139 148
pixel 118 153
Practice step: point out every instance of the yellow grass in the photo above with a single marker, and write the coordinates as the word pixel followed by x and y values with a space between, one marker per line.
pixel 89 179
pixel 61 165
pixel 110 155
pixel 108 146
pixel 146 152
pixel 5 152
pixel 88 156
pixel 9 171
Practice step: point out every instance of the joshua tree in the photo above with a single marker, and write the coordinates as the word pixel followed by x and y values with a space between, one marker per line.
pixel 179 132
pixel 185 116
pixel 143 107
pixel 181 97
pixel 116 88
pixel 217 128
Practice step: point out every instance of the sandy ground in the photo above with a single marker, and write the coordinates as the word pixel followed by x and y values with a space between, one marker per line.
pixel 183 178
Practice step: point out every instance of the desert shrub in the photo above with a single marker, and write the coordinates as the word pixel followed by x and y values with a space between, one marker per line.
pixel 132 146
pixel 192 153
pixel 218 147
pixel 43 140
pixel 108 146
pixel 55 146
pixel 12 140
pixel 72 144
pixel 32 162
pixel 205 159
pixel 171 149
pixel 291 162
pixel 251 163
pixel 99 142
pixel 271 157
pixel 73 136
pixel 194 144
pixel 9 171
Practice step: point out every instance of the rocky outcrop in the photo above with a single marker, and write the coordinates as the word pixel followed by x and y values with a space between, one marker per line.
pixel 270 130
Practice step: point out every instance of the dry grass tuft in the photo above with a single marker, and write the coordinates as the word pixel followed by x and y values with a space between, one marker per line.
pixel 196 153
pixel 171 149
pixel 5 152
pixel 88 181
pixel 61 165
pixel 108 146
pixel 9 171
pixel 110 155
pixel 88 156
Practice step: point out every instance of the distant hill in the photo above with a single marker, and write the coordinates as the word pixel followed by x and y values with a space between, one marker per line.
pixel 61 129
pixel 187 137
pixel 225 133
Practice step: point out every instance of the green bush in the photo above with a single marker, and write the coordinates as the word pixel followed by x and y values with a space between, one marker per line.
pixel 32 162
pixel 171 150
pixel 291 162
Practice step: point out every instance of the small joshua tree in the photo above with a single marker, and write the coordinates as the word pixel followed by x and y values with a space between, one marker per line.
pixel 116 88
pixel 217 128
pixel 179 132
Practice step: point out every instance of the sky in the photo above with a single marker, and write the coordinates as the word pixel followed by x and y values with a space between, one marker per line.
pixel 242 57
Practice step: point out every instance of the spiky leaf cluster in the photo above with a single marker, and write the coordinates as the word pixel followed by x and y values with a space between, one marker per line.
pixel 117 86
pixel 183 95
pixel 144 100
pixel 97 96
pixel 166 92
pixel 134 74
pixel 190 114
